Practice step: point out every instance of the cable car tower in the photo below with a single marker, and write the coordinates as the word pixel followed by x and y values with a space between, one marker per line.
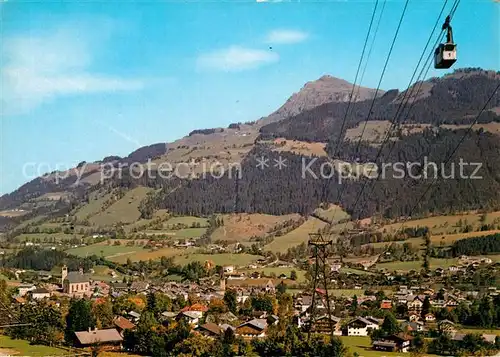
pixel 320 246
pixel 446 53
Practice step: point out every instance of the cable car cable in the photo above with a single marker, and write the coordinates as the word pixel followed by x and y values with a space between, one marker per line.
pixel 403 103
pixel 374 97
pixel 469 130
pixel 356 77
pixel 371 47
pixel 427 65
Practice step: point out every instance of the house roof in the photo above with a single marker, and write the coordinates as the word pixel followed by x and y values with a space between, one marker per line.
pixel 134 314
pixel 108 335
pixel 384 344
pixel 259 324
pixel 362 320
pixel 263 282
pixel 190 314
pixel 123 323
pixel 195 307
pixel 333 318
pixel 40 291
pixel 75 278
pixel 169 314
pixel 211 327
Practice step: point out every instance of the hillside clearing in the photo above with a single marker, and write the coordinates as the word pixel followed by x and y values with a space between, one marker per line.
pixel 125 210
pixel 242 226
pixel 218 259
pixel 332 213
pixel 295 237
pixel 445 224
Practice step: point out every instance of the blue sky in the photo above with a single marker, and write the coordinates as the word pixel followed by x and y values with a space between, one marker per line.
pixel 83 80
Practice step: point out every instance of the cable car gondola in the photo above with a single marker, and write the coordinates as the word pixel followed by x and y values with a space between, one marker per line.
pixel 446 53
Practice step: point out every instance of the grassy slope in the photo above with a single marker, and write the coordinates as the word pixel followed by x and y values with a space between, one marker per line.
pixel 218 259
pixel 295 237
pixel 124 210
pixel 278 271
pixel 332 213
pixel 241 227
pixel 443 224
pixel 92 208
pixel 180 233
pixel 362 345
pixel 23 348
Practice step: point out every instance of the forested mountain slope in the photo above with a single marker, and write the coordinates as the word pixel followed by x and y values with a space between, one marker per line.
pixel 454 100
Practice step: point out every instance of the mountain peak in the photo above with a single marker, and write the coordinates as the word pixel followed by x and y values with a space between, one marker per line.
pixel 325 89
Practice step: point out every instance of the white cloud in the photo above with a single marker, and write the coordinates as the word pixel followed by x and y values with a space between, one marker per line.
pixel 38 69
pixel 236 58
pixel 286 36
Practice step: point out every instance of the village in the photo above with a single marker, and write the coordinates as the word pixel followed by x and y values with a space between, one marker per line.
pixel 397 318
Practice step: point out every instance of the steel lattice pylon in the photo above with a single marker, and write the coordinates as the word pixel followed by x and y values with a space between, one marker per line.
pixel 320 245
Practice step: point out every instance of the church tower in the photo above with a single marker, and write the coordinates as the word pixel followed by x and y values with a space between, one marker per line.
pixel 64 274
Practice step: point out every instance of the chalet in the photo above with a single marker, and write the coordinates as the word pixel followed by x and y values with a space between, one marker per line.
pixel 323 324
pixel 108 339
pixel 360 327
pixel 413 316
pixel 415 326
pixel 39 294
pixel 430 317
pixel 438 304
pixel 192 317
pixel 386 304
pixel 210 330
pixel 395 343
pixel 256 328
pixel 415 303
pixel 447 326
pixel 122 324
pixel 452 302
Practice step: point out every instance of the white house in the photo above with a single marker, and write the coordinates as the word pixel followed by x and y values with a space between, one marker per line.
pixel 359 327
pixel 40 293
pixel 193 317
pixel 25 288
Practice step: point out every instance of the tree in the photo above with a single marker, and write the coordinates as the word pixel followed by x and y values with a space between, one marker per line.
pixel 354 305
pixel 390 326
pixel 145 332
pixel 4 292
pixel 231 301
pixel 418 344
pixel 103 314
pixel 281 288
pixel 262 303
pixel 195 346
pixel 79 318
pixel 426 307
